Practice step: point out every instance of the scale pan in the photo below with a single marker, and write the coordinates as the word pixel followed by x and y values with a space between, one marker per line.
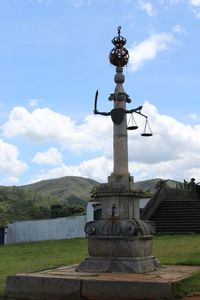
pixel 132 127
pixel 146 134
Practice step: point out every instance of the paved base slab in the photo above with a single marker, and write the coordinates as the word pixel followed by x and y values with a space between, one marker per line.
pixel 66 284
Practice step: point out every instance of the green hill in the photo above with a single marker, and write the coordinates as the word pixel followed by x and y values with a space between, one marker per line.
pixel 147 185
pixel 54 198
pixel 45 199
pixel 150 185
pixel 70 190
pixel 74 190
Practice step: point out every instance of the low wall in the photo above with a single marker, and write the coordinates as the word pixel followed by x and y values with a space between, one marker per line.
pixel 51 229
pixel 40 230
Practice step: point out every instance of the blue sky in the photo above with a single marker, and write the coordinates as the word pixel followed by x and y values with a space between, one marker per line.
pixel 53 57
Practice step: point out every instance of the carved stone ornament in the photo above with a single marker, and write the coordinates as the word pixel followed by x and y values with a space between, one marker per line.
pixel 120 228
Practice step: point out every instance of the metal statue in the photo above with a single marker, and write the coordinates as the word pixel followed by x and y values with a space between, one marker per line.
pixel 119 57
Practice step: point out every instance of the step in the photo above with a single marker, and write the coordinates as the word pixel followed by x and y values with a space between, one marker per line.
pixel 173 221
pixel 174 217
pixel 180 203
pixel 180 207
pixel 180 216
pixel 178 228
pixel 186 201
pixel 178 212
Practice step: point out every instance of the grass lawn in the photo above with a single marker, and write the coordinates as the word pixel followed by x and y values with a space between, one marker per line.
pixel 26 257
pixel 180 250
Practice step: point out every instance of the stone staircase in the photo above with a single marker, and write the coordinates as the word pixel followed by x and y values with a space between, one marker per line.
pixel 174 211
pixel 181 216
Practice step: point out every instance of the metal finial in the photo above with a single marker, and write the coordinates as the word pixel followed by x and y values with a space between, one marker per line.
pixel 119 54
pixel 119 30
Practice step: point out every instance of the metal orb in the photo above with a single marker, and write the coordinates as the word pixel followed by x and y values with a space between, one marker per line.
pixel 119 57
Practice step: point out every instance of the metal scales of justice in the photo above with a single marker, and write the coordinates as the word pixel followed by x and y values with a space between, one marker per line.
pixel 119 57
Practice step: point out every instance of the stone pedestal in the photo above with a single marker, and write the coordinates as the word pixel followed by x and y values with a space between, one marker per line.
pixel 138 265
pixel 120 241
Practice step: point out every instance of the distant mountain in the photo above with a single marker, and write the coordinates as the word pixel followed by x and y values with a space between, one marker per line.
pixel 55 197
pixel 147 185
pixel 150 185
pixel 45 199
pixel 70 190
pixel 75 190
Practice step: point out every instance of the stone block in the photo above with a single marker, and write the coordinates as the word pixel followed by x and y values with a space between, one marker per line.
pixel 41 287
pixel 65 284
pixel 124 290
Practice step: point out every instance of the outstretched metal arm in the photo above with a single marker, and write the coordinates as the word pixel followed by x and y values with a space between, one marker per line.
pixel 96 112
pixel 136 110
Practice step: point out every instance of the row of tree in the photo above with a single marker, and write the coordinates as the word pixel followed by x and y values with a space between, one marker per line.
pixel 20 204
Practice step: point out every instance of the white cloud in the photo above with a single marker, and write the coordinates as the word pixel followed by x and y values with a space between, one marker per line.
pixel 172 140
pixel 51 157
pixel 172 151
pixel 98 169
pixel 147 7
pixel 80 3
pixel 34 102
pixel 42 2
pixel 11 180
pixel 167 3
pixel 196 13
pixel 10 165
pixel 44 125
pixel 193 116
pixel 195 2
pixel 179 29
pixel 195 5
pixel 148 49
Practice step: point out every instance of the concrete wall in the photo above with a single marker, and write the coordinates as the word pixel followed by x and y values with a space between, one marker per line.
pixel 51 229
pixel 40 230
pixel 143 202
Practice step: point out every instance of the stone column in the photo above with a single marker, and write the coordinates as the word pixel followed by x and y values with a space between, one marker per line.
pixel 120 139
pixel 120 143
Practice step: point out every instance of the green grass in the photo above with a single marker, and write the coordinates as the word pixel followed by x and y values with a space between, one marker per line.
pixel 178 249
pixel 28 257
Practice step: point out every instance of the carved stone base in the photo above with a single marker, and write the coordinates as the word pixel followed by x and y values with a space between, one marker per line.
pixel 116 246
pixel 119 264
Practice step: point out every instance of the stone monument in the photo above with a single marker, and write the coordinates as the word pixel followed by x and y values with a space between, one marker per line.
pixel 120 241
